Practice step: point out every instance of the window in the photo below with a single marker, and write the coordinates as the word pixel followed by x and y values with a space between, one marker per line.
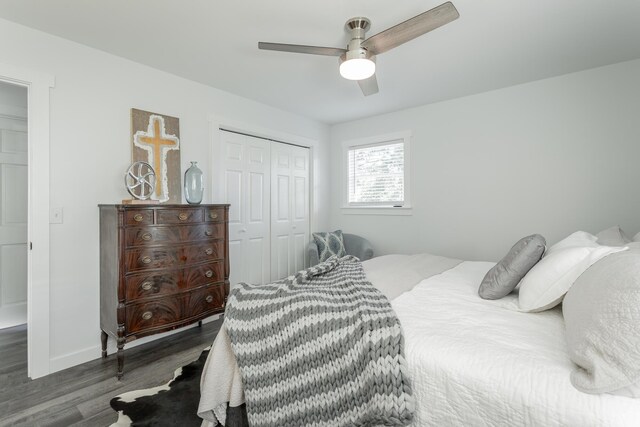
pixel 377 171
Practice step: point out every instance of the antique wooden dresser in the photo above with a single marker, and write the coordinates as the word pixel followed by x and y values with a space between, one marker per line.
pixel 161 267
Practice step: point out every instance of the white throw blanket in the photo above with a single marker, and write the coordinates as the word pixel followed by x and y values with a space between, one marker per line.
pixel 222 386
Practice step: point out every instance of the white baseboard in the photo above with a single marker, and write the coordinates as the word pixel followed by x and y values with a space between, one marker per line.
pixel 65 361
pixel 79 357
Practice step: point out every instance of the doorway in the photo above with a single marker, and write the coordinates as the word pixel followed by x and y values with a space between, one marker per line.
pixel 38 86
pixel 13 205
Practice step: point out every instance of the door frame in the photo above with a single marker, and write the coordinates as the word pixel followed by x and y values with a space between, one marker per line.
pixel 215 168
pixel 38 146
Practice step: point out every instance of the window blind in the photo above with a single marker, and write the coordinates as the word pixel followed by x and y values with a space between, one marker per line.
pixel 376 174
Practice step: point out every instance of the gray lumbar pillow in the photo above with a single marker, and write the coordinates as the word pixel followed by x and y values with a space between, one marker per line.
pixel 613 236
pixel 502 279
pixel 602 319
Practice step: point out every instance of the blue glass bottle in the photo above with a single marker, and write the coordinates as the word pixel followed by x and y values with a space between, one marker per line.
pixel 193 184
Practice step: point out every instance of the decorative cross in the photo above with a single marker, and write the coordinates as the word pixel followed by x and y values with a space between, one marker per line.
pixel 157 143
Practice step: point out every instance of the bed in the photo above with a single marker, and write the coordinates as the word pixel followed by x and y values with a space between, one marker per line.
pixel 478 362
pixel 481 363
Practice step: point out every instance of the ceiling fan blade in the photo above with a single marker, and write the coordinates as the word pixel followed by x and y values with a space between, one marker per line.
pixel 369 86
pixel 297 48
pixel 411 28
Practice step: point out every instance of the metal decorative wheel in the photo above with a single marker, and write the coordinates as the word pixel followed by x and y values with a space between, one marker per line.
pixel 140 180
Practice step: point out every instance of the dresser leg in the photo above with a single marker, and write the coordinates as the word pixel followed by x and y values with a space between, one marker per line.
pixel 200 324
pixel 103 338
pixel 120 358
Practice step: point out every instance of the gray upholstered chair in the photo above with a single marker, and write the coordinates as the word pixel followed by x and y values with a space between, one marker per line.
pixel 354 245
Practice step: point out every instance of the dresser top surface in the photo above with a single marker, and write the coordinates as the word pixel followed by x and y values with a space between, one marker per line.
pixel 162 205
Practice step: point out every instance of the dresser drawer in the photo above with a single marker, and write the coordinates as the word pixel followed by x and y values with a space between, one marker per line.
pixel 156 235
pixel 138 216
pixel 173 256
pixel 173 309
pixel 186 215
pixel 214 214
pixel 159 312
pixel 145 285
pixel 205 300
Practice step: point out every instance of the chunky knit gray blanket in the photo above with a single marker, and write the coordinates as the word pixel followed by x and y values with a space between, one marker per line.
pixel 321 348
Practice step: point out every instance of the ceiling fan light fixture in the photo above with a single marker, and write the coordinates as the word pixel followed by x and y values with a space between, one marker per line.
pixel 358 60
pixel 357 65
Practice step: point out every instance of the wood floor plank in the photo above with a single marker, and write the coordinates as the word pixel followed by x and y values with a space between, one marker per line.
pixel 81 395
pixel 104 418
pixel 57 415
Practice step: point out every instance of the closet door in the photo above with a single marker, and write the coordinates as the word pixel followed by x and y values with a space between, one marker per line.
pixel 289 209
pixel 246 176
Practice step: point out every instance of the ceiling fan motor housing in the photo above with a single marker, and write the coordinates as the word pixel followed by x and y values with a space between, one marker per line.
pixel 357 27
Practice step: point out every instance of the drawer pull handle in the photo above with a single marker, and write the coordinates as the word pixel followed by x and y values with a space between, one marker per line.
pixel 213 215
pixel 146 286
pixel 182 216
pixel 209 251
pixel 138 217
pixel 209 273
pixel 146 237
pixel 147 315
pixel 146 260
pixel 208 233
pixel 209 298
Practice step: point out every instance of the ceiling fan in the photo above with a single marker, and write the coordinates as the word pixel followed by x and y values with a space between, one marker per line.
pixel 358 60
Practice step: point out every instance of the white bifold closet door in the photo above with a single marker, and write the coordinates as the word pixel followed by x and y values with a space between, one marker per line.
pixel 267 185
pixel 246 183
pixel 289 209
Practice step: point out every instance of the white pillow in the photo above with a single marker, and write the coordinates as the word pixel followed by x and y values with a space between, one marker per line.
pixel 602 313
pixel 636 238
pixel 577 239
pixel 613 236
pixel 547 282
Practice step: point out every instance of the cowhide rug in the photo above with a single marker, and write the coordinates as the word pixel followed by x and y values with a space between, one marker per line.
pixel 172 404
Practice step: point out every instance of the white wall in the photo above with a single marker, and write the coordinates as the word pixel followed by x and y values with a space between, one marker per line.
pixel 90 150
pixel 548 157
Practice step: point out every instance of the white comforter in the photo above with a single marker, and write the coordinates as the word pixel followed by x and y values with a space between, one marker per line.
pixel 481 363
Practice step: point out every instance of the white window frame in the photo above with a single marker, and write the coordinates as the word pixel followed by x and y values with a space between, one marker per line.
pixel 376 209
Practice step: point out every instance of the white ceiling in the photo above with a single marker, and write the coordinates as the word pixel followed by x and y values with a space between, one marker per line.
pixel 494 44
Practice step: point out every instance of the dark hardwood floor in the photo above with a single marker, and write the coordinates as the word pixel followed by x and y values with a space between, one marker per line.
pixel 80 396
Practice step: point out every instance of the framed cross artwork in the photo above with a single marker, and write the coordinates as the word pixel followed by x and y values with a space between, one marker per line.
pixel 156 140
